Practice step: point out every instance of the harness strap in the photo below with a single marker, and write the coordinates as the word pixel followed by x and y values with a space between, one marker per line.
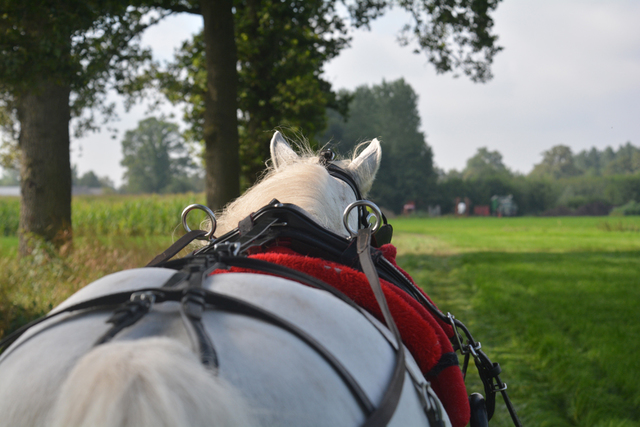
pixel 176 247
pixel 106 301
pixel 389 402
pixel 128 314
pixel 387 407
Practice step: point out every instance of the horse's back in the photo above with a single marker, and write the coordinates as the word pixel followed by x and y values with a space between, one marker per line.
pixel 281 379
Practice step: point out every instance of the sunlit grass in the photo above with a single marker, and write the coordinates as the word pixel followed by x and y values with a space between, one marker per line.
pixel 521 234
pixel 555 301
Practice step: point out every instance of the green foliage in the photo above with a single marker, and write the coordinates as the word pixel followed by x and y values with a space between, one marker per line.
pixel 560 180
pixel 454 34
pixel 609 162
pixel 9 215
pixel 631 208
pixel 485 164
pixel 282 47
pixel 557 163
pixel 9 131
pixel 130 215
pixel 90 179
pixel 389 112
pixel 157 159
pixel 88 45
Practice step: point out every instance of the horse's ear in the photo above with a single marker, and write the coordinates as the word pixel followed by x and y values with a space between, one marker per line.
pixel 365 166
pixel 281 151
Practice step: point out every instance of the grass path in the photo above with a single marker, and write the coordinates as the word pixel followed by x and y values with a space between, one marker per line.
pixel 554 301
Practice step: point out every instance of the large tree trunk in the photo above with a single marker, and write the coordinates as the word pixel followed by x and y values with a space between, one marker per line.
pixel 220 118
pixel 45 170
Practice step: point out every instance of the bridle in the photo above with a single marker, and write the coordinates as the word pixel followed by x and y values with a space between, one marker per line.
pixel 326 157
pixel 382 230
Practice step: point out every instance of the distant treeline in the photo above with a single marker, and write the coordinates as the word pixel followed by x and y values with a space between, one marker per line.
pixel 562 183
pixel 157 159
pixel 590 182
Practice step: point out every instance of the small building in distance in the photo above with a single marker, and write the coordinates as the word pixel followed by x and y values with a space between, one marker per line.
pixel 504 206
pixel 409 208
pixel 14 190
pixel 481 210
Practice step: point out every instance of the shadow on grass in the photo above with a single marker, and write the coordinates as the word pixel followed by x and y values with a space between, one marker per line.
pixel 561 325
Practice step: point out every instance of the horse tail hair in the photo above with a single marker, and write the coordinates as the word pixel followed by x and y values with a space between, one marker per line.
pixel 148 382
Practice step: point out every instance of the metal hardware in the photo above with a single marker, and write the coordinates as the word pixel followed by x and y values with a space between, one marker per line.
pixel 210 214
pixel 326 156
pixel 456 333
pixel 147 297
pixel 465 349
pixel 497 388
pixel 228 248
pixel 474 349
pixel 376 212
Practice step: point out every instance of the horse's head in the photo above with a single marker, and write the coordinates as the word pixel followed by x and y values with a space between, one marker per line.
pixel 303 180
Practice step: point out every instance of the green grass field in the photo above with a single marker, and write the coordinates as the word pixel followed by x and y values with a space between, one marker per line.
pixel 554 300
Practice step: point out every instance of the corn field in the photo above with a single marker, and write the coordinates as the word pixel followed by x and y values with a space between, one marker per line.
pixel 139 215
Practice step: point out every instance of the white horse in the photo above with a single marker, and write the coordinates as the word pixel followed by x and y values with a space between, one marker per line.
pixel 149 375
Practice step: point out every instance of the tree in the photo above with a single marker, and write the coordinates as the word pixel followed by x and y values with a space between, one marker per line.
pixel 90 179
pixel 282 47
pixel 455 34
pixel 626 161
pixel 389 111
pixel 589 162
pixel 57 59
pixel 485 164
pixel 557 163
pixel 156 158
pixel 219 122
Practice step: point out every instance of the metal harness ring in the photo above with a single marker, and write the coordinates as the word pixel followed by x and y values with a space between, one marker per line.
pixel 376 212
pixel 210 214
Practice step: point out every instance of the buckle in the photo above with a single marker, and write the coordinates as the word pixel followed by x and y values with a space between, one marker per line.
pixel 146 298
pixel 227 248
pixel 464 348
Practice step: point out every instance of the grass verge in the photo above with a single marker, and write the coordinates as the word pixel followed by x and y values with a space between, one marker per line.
pixel 31 286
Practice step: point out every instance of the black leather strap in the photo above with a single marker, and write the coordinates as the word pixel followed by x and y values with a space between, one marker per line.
pixel 176 247
pixel 391 397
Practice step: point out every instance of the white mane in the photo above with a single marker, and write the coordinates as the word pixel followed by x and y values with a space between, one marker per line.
pixel 303 181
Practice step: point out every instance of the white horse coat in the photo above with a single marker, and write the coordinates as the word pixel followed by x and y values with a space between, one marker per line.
pixel 149 374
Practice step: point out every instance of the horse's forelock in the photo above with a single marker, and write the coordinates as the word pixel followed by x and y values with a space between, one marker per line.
pixel 295 182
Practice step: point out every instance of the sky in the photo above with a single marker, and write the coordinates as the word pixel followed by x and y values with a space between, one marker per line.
pixel 569 74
